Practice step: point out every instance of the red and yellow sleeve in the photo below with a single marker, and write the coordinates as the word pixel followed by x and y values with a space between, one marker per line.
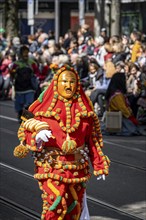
pixel 99 160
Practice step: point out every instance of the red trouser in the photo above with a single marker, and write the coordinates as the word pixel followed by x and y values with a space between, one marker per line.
pixel 61 200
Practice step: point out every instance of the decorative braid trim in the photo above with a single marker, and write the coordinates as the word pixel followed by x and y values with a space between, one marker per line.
pixel 100 172
pixel 62 179
pixel 61 166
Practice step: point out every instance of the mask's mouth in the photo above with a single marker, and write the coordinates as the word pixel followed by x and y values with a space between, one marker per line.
pixel 68 90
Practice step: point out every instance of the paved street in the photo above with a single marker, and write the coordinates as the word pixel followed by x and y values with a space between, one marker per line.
pixel 122 196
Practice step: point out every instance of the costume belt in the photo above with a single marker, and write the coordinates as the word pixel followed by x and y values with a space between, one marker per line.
pixel 54 156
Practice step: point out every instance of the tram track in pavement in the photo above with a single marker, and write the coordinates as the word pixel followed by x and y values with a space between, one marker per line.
pixel 129 165
pixel 36 216
pixel 19 208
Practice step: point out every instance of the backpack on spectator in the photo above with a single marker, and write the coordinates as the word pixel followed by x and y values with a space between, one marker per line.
pixel 25 79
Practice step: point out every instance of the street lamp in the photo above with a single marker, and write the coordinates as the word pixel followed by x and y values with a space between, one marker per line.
pixel 81 12
pixel 30 14
pixel 57 15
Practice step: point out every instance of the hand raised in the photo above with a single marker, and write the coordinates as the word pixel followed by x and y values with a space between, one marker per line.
pixel 101 177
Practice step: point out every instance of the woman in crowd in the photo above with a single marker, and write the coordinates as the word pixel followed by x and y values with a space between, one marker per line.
pixel 116 98
pixel 5 71
pixel 133 91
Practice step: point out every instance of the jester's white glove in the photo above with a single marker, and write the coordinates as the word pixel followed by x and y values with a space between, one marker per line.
pixel 43 135
pixel 101 177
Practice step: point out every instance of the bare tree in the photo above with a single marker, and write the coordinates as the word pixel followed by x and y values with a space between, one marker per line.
pixel 99 16
pixel 11 18
pixel 115 17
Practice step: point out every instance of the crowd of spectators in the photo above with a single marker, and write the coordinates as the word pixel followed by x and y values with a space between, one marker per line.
pixel 96 59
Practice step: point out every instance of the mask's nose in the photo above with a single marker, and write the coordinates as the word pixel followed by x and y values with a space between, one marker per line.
pixel 68 84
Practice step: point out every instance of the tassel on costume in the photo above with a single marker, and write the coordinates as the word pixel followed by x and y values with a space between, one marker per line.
pixel 69 145
pixel 21 151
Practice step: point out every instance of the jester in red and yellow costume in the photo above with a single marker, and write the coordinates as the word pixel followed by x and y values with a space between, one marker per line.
pixel 63 132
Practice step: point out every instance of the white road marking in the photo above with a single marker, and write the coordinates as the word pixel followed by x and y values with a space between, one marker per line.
pixel 8 118
pixel 15 169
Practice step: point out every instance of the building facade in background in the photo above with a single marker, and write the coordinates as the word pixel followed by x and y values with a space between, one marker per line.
pixel 97 13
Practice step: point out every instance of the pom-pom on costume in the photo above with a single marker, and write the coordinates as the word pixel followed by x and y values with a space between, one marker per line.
pixel 62 163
